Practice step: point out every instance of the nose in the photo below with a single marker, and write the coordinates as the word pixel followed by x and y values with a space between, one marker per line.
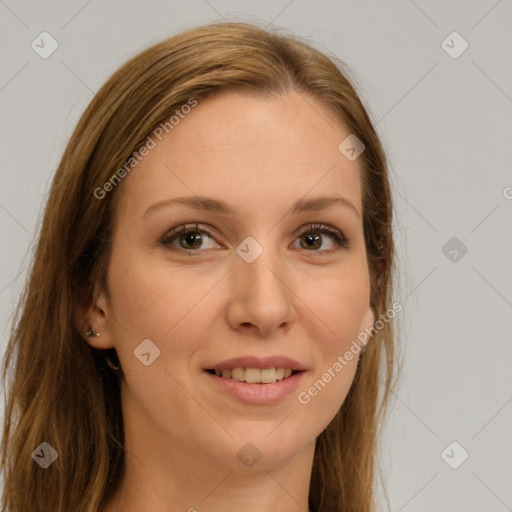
pixel 262 298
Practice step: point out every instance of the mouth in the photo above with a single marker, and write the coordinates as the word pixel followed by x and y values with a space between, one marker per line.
pixel 255 375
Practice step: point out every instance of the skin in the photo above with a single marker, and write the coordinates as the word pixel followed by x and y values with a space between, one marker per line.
pixel 182 433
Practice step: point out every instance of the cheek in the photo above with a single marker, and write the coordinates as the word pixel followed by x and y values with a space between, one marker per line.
pixel 339 310
pixel 149 298
pixel 169 306
pixel 340 304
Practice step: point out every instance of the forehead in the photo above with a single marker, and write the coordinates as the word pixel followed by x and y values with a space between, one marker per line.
pixel 248 150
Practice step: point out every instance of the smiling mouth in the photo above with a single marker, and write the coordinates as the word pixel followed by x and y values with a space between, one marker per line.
pixel 255 375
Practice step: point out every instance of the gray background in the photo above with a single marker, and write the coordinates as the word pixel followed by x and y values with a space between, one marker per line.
pixel 446 124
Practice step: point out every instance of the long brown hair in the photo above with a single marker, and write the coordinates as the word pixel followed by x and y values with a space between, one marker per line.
pixel 60 390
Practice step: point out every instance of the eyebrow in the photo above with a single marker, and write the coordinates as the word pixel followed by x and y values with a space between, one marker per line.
pixel 217 206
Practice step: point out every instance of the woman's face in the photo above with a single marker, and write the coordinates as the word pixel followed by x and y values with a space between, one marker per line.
pixel 248 287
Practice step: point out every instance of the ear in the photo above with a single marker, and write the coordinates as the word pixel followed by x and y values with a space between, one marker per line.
pixel 366 325
pixel 94 313
pixel 368 319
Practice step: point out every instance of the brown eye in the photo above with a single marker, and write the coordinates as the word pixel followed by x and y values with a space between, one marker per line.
pixel 189 237
pixel 312 241
pixel 190 240
pixel 312 238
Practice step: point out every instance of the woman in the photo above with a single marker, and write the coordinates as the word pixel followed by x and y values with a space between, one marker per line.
pixel 215 256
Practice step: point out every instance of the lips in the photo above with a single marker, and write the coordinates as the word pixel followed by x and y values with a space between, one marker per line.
pixel 261 363
pixel 265 391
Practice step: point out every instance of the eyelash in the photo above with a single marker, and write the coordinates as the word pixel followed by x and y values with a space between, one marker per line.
pixel 340 240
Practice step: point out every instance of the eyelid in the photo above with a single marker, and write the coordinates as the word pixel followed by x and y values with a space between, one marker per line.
pixel 193 226
pixel 341 241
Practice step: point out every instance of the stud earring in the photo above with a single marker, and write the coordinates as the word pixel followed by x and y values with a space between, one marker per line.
pixel 91 334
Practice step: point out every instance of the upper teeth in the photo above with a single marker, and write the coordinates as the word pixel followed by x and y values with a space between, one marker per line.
pixel 254 375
